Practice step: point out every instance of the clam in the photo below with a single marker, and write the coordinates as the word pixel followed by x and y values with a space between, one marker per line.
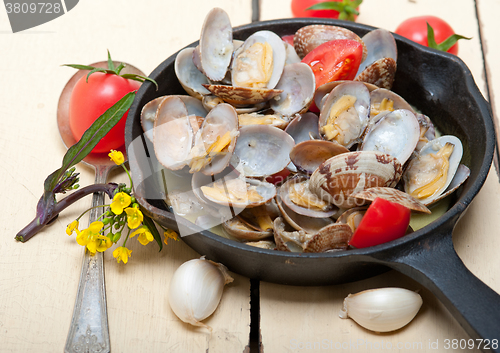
pixel 332 237
pixel 216 44
pixel 344 115
pixel 324 90
pixel 427 130
pixel 295 194
pixel 395 132
pixel 291 54
pixel 308 38
pixel 430 173
pixel 393 195
pixel 263 244
pixel 262 119
pixel 148 113
pixel 190 78
pixel 383 99
pixel 242 95
pixel 352 217
pixel 307 156
pixel 253 223
pixel 263 150
pixel 379 68
pixel 304 127
pixel 340 176
pixel 298 84
pixel 259 62
pixel 301 222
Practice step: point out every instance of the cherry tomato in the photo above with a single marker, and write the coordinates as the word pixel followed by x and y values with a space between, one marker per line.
pixel 299 9
pixel 415 28
pixel 288 39
pixel 383 221
pixel 89 100
pixel 279 177
pixel 335 60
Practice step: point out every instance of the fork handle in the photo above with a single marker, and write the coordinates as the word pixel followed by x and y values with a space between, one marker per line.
pixel 89 331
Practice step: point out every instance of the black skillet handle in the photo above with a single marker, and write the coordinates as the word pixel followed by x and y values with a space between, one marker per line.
pixel 434 263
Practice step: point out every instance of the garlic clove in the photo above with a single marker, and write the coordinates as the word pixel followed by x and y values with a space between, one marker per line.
pixel 196 290
pixel 382 309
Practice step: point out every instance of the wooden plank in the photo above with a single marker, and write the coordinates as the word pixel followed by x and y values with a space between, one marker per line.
pixel 311 314
pixel 38 280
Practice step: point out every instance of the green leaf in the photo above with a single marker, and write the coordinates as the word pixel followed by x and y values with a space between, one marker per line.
pixel 80 67
pixel 96 69
pixel 152 228
pixel 111 65
pixel 327 5
pixel 140 78
pixel 90 138
pixel 444 45
pixel 346 8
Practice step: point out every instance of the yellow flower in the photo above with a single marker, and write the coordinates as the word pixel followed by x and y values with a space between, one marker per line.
pixel 101 244
pixel 145 235
pixel 120 201
pixel 134 217
pixel 73 226
pixel 122 254
pixel 89 236
pixel 117 157
pixel 169 233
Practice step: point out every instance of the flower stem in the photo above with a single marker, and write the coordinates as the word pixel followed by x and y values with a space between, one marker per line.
pixel 50 215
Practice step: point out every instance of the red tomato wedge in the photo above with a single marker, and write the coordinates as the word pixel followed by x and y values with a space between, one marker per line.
pixel 383 221
pixel 335 60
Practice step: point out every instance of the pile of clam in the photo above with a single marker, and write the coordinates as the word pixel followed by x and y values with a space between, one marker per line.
pixel 245 117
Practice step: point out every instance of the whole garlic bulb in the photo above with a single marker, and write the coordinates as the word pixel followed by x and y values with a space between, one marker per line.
pixel 196 290
pixel 382 309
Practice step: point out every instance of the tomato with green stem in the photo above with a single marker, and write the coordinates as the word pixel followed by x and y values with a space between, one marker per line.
pixel 95 93
pixel 383 221
pixel 341 9
pixel 432 32
pixel 335 60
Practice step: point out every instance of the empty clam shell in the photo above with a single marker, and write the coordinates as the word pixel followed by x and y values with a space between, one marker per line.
pixel 304 127
pixel 263 150
pixel 396 133
pixel 380 44
pixel 298 85
pixel 216 44
pixel 340 176
pixel 190 78
pixel 381 73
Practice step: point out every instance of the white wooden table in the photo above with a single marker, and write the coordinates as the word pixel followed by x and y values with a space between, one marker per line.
pixel 38 279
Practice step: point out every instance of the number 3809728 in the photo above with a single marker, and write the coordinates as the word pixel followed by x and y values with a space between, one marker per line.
pixel 33 7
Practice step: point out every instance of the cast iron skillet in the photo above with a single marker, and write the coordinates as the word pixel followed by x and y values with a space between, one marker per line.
pixel 441 86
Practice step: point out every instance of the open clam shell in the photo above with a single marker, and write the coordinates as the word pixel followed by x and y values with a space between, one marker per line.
pixel 263 150
pixel 172 133
pixel 190 78
pixel 340 176
pixel 396 133
pixel 428 169
pixel 298 85
pixel 344 115
pixel 304 127
pixel 332 237
pixel 236 228
pixel 233 191
pixel 324 90
pixel 219 121
pixel 384 99
pixel 216 44
pixel 379 67
pixel 295 194
pixel 301 222
pixel 393 195
pixel 254 66
pixel 148 113
pixel 253 223
pixel 307 156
